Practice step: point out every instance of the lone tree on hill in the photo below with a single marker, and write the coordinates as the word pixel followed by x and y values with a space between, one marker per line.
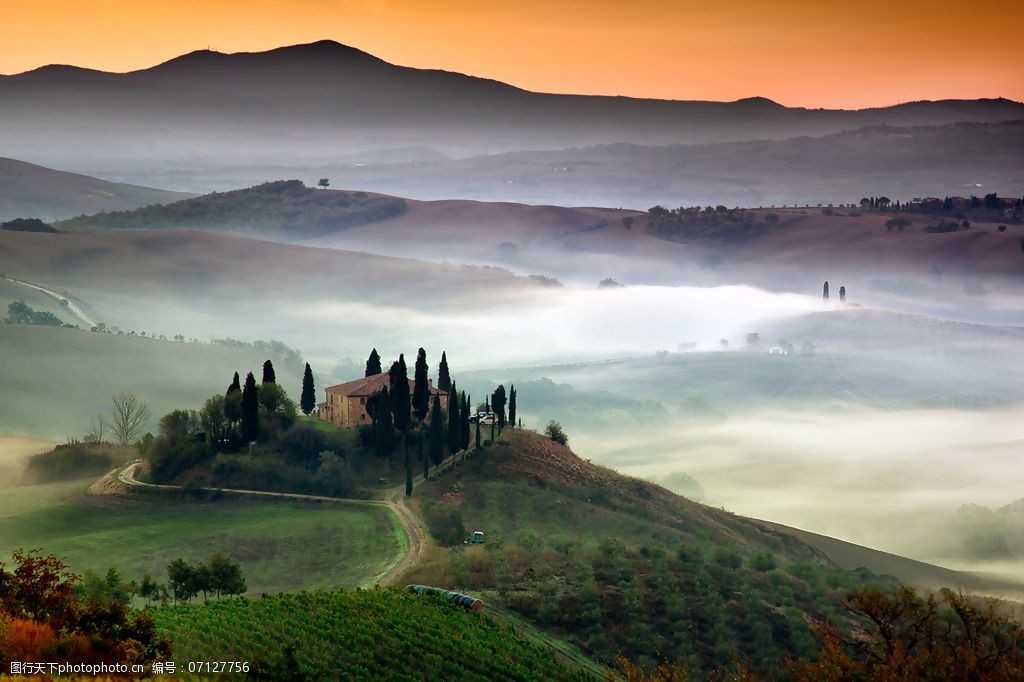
pixel 269 376
pixel 129 417
pixel 436 433
pixel 824 292
pixel 421 387
pixel 512 406
pixel 444 379
pixel 250 409
pixel 324 182
pixel 398 377
pixel 373 364
pixel 308 400
pixel 454 421
pixel 498 401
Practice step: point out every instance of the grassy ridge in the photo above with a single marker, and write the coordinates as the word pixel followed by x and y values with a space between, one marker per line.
pixel 358 635
pixel 281 545
pixel 284 207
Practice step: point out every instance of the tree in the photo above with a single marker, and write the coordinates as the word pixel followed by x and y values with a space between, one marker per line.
pixel 436 433
pixel 627 222
pixel 234 386
pixel 269 376
pixel 896 224
pixel 324 182
pixel 250 410
pixel 444 379
pixel 454 421
pixel 464 416
pixel 129 417
pixel 512 406
pixel 421 387
pixel 824 292
pixel 373 364
pixel 555 432
pixel 842 294
pixel 181 580
pixel 398 377
pixel 149 589
pixel 308 400
pixel 902 635
pixel 225 576
pixel 498 402
pixel 477 445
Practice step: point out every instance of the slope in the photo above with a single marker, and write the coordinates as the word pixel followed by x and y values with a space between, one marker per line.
pixel 621 565
pixel 28 190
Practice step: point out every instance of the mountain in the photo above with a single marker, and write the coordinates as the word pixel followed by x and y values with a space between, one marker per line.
pixel 323 100
pixel 28 190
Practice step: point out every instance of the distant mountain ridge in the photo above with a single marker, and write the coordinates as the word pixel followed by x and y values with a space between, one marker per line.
pixel 324 99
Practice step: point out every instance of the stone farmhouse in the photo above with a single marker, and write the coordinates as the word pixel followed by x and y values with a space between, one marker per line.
pixel 345 404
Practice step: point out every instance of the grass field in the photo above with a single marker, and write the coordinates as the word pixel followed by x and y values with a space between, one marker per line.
pixel 359 635
pixel 282 546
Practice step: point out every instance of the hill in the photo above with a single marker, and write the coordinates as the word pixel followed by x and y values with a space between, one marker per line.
pixel 616 564
pixel 359 635
pixel 285 209
pixel 315 102
pixel 31 191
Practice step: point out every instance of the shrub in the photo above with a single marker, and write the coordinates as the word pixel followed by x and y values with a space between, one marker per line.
pixel 555 432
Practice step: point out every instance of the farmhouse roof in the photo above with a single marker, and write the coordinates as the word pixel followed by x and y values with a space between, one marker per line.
pixel 372 384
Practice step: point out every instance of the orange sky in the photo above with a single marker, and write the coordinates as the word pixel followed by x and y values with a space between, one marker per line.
pixel 815 53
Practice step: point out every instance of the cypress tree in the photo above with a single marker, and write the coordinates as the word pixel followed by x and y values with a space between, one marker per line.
pixel 235 385
pixel 824 292
pixel 373 364
pixel 436 433
pixel 498 401
pixel 512 406
pixel 421 387
pixel 444 379
pixel 400 407
pixel 269 376
pixel 250 410
pixel 383 424
pixel 308 400
pixel 454 421
pixel 464 416
pixel 477 435
pixel 842 294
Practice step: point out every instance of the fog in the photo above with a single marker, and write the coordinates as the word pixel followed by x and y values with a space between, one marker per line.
pixel 15 451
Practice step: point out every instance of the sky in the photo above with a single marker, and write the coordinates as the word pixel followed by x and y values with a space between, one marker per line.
pixel 813 53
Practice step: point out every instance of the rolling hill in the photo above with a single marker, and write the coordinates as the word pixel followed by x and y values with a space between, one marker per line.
pixel 619 565
pixel 28 190
pixel 315 103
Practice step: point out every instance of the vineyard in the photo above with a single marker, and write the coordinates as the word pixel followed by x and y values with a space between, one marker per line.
pixel 358 635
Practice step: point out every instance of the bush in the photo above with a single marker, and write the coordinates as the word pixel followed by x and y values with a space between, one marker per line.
pixel 70 461
pixel 446 525
pixel 555 432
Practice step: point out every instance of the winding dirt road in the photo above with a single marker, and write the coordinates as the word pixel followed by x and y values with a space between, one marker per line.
pixel 72 306
pixel 394 500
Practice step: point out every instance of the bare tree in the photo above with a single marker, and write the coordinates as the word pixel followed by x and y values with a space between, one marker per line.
pixel 94 435
pixel 129 417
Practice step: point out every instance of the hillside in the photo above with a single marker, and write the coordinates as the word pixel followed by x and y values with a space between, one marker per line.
pixel 359 635
pixel 31 191
pixel 315 102
pixel 79 371
pixel 616 564
pixel 286 209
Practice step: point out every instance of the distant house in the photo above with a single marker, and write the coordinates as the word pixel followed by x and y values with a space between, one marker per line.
pixel 345 404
